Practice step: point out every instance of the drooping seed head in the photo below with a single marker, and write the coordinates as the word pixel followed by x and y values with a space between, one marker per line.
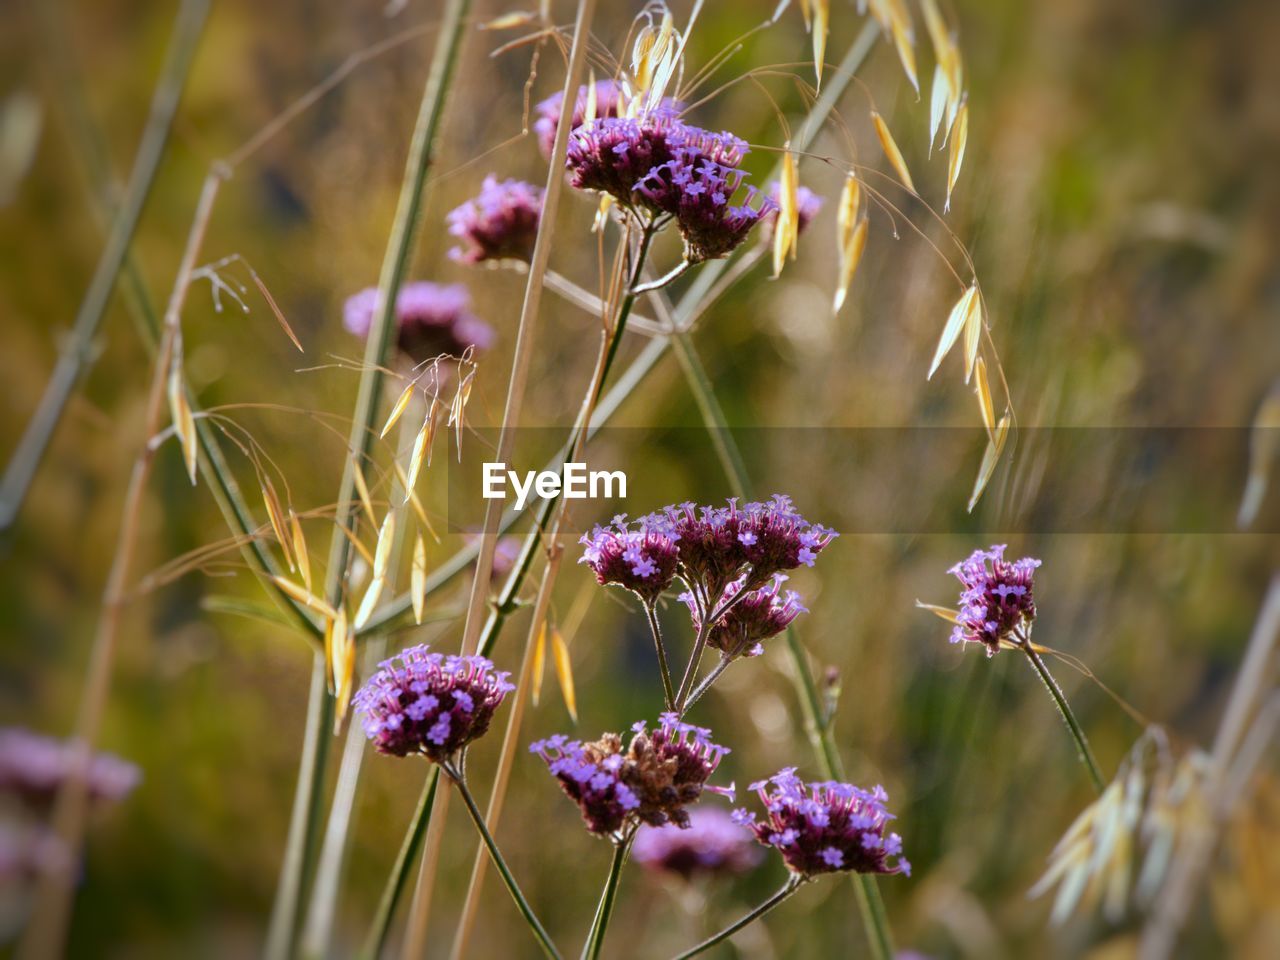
pixel 825 827
pixel 501 223
pixel 997 597
pixel 430 704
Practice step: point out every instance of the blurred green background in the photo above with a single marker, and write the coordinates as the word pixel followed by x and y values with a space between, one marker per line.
pixel 1120 201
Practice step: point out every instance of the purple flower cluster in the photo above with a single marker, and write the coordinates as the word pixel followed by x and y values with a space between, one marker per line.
pixel 758 616
pixel 808 204
pixel 651 781
pixel 33 767
pixel 431 319
pixel 640 558
pixel 426 703
pixel 711 844
pixel 667 167
pixel 501 223
pixel 996 599
pixel 609 103
pixel 825 827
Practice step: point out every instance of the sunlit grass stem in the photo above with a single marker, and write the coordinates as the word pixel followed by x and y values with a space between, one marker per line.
pixel 791 886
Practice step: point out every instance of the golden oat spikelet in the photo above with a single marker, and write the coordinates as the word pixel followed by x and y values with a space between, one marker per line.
pixel 955 158
pixel 995 446
pixel 973 323
pixel 418 577
pixel 539 662
pixel 398 408
pixel 362 491
pixel 301 556
pixel 276 515
pixel 982 388
pixel 786 229
pixel 821 27
pixel 851 236
pixel 304 596
pixel 378 579
pixel 564 672
pixel 890 147
pixel 956 322
pixel 184 423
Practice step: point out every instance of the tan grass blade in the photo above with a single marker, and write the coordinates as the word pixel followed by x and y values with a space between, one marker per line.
pixel 787 224
pixel 821 27
pixel 276 515
pixel 989 460
pixel 539 662
pixel 418 577
pixel 304 597
pixel 891 151
pixel 509 21
pixel 275 309
pixel 301 557
pixel 950 332
pixel 850 256
pixel 417 456
pixel 946 613
pixel 362 490
pixel 184 424
pixel 905 45
pixel 972 335
pixel 564 672
pixel 378 577
pixel 983 389
pixel 959 139
pixel 402 402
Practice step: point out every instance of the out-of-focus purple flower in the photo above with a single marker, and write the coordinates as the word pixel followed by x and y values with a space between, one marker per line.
pixel 505 553
pixel 28 850
pixel 651 781
pixel 431 319
pixel 501 223
pixel 711 844
pixel 758 616
pixel 808 205
pixel 608 104
pixel 660 164
pixel 426 703
pixel 640 558
pixel 996 600
pixel 33 767
pixel 825 827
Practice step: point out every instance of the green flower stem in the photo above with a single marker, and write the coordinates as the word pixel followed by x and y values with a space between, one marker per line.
pixel 544 940
pixel 608 898
pixel 1068 717
pixel 401 870
pixel 304 828
pixel 790 887
pixel 668 692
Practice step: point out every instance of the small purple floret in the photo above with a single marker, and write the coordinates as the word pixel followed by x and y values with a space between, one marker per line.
pixel 639 556
pixel 826 827
pixel 431 704
pixel 997 597
pixel 760 615
pixel 501 223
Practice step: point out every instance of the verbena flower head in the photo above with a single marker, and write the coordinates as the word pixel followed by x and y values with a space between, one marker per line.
pixel 825 827
pixel 431 319
pixel 651 781
pixel 662 165
pixel 758 616
pixel 609 103
pixel 639 556
pixel 501 223
pixel 717 545
pixel 711 844
pixel 33 767
pixel 997 597
pixel 808 206
pixel 430 704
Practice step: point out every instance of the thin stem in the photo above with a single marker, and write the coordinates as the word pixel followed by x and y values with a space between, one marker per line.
pixel 608 898
pixel 708 680
pixel 668 692
pixel 544 940
pixel 526 334
pixel 413 945
pixel 1073 725
pixel 671 275
pixel 304 827
pixel 704 632
pixel 791 886
pixel 400 871
pixel 79 351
